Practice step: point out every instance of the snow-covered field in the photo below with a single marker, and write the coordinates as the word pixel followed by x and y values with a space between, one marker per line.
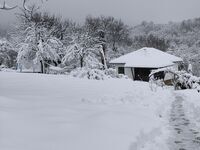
pixel 57 112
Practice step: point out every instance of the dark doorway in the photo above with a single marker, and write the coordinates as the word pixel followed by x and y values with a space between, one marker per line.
pixel 142 74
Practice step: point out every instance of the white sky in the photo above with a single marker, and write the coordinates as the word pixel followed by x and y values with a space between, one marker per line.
pixel 130 11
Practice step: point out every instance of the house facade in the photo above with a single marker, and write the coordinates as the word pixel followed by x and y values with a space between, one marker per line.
pixel 138 64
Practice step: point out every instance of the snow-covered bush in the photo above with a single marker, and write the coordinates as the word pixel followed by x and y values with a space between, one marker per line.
pixel 95 74
pixel 7 54
pixel 111 72
pixel 88 73
pixel 180 79
pixel 56 70
pixel 187 81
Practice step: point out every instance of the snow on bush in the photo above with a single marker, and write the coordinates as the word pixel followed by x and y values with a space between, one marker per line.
pixel 180 79
pixel 56 70
pixel 187 80
pixel 7 54
pixel 95 74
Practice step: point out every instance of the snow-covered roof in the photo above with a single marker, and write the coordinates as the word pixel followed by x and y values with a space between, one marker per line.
pixel 147 58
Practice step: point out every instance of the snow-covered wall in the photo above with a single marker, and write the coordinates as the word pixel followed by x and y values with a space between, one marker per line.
pixel 127 70
pixel 130 72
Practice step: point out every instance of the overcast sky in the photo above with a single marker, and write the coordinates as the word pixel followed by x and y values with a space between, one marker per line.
pixel 130 11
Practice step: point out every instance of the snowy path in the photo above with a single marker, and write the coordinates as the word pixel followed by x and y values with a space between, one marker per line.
pixel 185 135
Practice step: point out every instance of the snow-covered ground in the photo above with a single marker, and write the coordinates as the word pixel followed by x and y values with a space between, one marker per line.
pixel 57 112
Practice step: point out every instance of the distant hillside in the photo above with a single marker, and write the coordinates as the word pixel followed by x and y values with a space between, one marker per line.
pixel 181 39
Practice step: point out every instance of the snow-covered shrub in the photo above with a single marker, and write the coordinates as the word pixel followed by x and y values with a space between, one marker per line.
pixel 56 70
pixel 187 81
pixel 111 72
pixel 25 54
pixel 88 73
pixel 180 79
pixel 2 67
pixel 7 54
pixel 95 74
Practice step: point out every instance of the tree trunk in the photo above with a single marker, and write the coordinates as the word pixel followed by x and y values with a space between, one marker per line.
pixel 81 62
pixel 103 57
pixel 42 66
pixel 114 48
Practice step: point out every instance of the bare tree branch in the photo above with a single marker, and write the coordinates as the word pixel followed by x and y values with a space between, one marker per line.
pixel 29 9
pixel 24 5
pixel 6 7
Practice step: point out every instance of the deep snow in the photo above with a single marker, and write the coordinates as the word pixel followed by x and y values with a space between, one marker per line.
pixel 57 112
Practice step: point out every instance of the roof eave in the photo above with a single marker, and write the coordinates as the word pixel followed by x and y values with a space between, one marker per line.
pixel 129 66
pixel 113 63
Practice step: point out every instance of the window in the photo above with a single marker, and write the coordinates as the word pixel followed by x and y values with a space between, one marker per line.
pixel 120 70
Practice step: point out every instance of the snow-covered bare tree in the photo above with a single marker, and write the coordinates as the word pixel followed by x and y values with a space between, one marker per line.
pixel 116 32
pixel 112 34
pixel 82 52
pixel 5 6
pixel 39 35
